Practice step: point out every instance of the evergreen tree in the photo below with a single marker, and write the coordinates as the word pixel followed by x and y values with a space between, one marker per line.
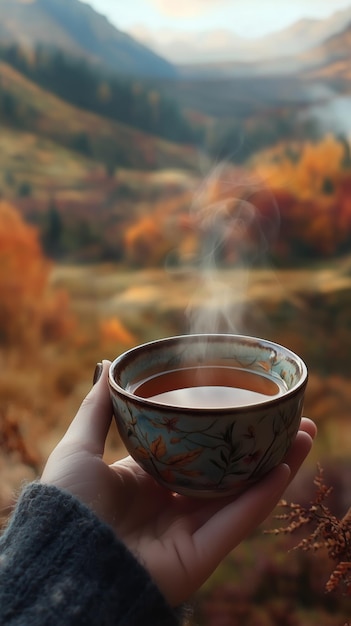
pixel 52 236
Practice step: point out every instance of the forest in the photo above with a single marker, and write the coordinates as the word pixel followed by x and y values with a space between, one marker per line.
pixel 297 199
pixel 109 231
pixel 76 81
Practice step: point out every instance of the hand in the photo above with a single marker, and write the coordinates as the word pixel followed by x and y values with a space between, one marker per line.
pixel 179 540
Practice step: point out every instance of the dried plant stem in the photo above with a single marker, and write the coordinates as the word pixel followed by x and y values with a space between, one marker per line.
pixel 328 532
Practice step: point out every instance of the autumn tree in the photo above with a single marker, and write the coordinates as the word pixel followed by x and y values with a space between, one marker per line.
pixel 29 311
pixel 306 176
pixel 145 242
pixel 316 220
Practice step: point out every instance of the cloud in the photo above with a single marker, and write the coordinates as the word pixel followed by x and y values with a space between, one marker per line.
pixel 187 8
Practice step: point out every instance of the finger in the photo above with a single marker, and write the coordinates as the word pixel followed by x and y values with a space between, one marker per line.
pixel 308 426
pixel 298 452
pixel 231 523
pixel 91 424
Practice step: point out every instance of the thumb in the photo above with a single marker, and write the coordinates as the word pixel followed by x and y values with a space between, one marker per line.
pixel 91 424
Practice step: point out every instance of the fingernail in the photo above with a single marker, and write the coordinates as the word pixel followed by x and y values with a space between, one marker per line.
pixel 97 373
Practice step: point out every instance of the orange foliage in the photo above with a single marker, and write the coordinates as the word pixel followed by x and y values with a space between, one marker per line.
pixel 222 214
pixel 313 197
pixel 292 207
pixel 29 312
pixel 146 241
pixel 306 177
pixel 318 162
pixel 113 331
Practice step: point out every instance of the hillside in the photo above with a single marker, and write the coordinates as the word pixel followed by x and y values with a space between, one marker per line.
pixel 76 28
pixel 28 106
pixel 125 100
pixel 77 175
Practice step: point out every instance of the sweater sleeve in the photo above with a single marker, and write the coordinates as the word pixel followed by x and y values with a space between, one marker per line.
pixel 60 565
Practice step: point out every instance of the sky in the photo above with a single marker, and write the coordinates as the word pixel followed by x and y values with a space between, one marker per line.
pixel 246 18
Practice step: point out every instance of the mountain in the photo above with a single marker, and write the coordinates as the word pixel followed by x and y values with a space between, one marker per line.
pixel 329 59
pixel 218 46
pixel 78 29
pixel 318 77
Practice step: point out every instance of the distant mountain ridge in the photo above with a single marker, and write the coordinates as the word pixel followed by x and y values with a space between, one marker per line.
pixel 78 29
pixel 332 49
pixel 224 46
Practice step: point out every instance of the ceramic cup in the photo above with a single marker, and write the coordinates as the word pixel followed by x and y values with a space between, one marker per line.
pixel 208 415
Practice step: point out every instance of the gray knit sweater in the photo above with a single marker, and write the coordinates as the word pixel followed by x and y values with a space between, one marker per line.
pixel 60 565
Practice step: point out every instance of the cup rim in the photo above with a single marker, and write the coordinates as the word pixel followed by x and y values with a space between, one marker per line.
pixel 147 402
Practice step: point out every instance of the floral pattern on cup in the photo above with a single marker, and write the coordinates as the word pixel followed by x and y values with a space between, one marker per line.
pixel 222 458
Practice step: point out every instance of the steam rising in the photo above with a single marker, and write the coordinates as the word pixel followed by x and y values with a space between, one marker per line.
pixel 234 234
